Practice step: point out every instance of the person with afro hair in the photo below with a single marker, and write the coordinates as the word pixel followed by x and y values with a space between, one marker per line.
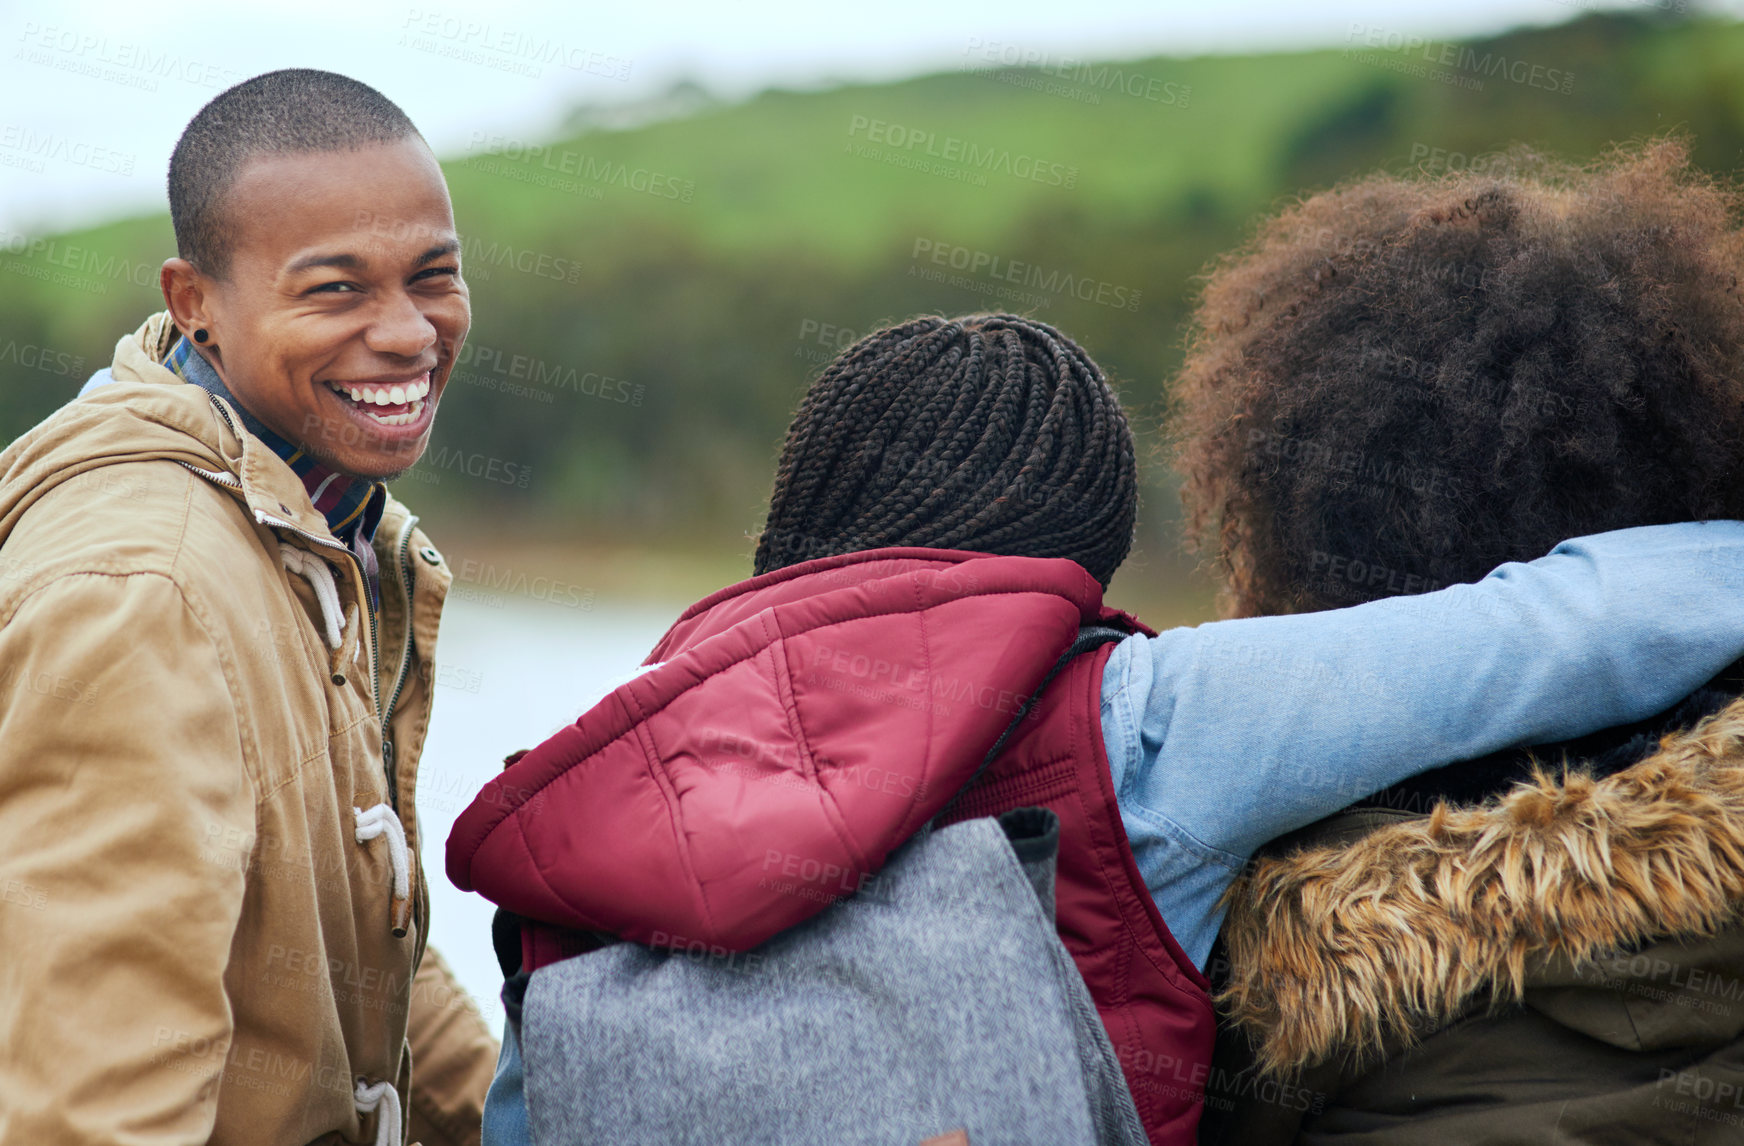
pixel 1398 385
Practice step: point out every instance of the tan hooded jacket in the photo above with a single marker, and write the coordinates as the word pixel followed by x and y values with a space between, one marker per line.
pixel 208 929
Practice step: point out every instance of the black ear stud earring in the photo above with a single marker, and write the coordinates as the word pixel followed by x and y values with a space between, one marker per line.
pixel 201 336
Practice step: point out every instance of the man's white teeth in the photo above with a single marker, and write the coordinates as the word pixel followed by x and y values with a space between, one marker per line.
pixel 409 416
pixel 374 395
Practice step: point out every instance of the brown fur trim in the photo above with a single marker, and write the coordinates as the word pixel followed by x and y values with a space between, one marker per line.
pixel 1351 950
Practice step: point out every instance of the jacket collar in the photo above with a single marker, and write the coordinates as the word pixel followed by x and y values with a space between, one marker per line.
pixel 945 568
pixel 273 492
pixel 352 506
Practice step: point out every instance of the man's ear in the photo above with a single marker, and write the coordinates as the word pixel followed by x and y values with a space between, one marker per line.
pixel 187 294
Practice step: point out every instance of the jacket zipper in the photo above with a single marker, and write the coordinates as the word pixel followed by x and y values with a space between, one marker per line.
pixel 227 481
pixel 403 545
pixel 402 554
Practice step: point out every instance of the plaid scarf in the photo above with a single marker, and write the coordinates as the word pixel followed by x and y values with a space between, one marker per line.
pixel 352 505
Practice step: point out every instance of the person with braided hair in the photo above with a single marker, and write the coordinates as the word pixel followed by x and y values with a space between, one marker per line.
pixel 924 640
pixel 996 434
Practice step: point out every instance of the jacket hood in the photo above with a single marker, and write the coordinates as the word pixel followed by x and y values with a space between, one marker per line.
pixel 1354 949
pixel 787 734
pixel 149 413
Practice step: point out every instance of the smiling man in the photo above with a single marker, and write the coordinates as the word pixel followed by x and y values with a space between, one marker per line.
pixel 217 633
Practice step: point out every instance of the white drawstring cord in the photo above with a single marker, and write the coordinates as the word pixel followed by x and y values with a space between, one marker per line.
pixel 319 575
pixel 357 650
pixel 383 1095
pixel 380 820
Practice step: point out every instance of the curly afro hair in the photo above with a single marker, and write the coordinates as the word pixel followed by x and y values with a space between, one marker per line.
pixel 1404 382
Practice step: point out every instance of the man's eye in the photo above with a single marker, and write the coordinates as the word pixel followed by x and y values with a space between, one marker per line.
pixel 332 288
pixel 432 272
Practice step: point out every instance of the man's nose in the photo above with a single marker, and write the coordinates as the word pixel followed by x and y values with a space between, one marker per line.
pixel 401 329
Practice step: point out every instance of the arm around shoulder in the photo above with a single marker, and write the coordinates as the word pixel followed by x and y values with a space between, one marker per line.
pixel 1249 728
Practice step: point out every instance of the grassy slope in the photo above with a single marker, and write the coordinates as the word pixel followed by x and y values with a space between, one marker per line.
pixel 776 172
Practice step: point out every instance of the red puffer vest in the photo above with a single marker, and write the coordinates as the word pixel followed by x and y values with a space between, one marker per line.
pixel 792 730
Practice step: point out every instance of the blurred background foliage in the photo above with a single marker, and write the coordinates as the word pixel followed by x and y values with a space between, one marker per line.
pixel 671 286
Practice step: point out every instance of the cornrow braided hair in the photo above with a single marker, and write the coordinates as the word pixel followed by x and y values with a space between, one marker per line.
pixel 989 433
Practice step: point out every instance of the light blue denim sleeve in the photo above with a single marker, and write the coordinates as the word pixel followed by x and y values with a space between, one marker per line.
pixel 505 1103
pixel 1223 736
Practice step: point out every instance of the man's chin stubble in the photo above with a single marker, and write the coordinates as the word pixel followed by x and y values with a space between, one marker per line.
pixel 339 466
pixel 348 435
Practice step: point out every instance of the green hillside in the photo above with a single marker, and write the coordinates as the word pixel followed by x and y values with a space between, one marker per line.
pixel 671 289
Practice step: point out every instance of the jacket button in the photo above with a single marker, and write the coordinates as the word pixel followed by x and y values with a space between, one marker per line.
pixel 429 554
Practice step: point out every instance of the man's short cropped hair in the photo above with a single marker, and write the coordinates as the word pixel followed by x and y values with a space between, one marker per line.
pixel 284 112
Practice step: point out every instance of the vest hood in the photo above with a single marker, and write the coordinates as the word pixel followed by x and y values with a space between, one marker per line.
pixel 786 734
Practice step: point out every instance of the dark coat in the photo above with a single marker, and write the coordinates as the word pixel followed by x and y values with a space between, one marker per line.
pixel 1504 951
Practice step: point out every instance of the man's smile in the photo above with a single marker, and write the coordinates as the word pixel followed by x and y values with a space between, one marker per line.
pixel 385 402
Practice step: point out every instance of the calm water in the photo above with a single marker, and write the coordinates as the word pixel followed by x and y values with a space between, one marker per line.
pixel 509 673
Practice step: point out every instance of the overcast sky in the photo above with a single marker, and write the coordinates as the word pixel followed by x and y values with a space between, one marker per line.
pixel 93 95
